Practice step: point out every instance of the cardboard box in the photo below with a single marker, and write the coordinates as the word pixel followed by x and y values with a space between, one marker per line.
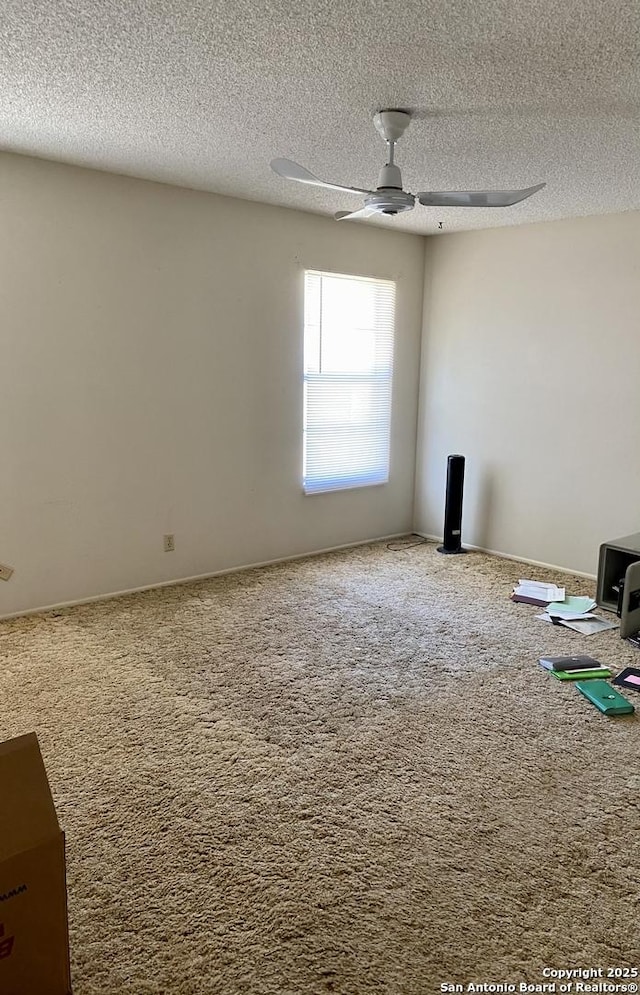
pixel 34 936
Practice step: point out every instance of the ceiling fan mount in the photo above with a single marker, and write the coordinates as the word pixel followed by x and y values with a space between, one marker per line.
pixel 392 124
pixel 389 198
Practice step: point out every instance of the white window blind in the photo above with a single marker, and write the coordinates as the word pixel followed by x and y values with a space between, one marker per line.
pixel 348 367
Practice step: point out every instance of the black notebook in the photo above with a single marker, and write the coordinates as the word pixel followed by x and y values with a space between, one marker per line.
pixel 570 663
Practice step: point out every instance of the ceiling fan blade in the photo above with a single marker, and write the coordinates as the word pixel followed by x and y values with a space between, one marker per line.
pixel 293 171
pixel 364 212
pixel 477 198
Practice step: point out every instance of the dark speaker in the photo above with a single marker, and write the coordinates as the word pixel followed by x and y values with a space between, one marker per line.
pixel 453 507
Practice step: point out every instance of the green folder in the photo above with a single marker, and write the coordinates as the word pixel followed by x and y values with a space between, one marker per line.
pixel 579 675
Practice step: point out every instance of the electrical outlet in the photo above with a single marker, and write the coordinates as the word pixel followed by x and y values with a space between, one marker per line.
pixel 5 572
pixel 169 543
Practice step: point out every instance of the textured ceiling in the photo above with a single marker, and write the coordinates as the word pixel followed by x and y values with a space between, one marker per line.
pixel 505 93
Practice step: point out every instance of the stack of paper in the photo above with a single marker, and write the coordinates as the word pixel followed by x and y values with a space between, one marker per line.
pixel 586 624
pixel 535 592
pixel 575 613
pixel 572 612
pixel 571 607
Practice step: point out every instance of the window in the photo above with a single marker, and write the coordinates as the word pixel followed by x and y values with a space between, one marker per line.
pixel 348 365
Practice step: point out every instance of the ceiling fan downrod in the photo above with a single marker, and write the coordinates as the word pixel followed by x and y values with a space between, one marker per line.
pixel 391 125
pixel 390 177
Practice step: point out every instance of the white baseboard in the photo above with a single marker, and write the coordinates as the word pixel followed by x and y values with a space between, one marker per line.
pixel 518 559
pixel 196 577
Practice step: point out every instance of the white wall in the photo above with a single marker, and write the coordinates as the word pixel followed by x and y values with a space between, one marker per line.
pixel 531 369
pixel 150 382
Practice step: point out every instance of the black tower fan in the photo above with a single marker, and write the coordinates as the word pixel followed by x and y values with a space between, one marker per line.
pixel 453 507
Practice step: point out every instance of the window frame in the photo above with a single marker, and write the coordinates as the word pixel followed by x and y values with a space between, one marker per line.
pixel 385 340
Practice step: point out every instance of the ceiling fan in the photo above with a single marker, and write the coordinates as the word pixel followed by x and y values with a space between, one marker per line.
pixel 389 198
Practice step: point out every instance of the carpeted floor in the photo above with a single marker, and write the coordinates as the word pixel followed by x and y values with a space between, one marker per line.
pixel 344 774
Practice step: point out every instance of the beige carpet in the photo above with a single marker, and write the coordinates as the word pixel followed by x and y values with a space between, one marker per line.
pixel 345 774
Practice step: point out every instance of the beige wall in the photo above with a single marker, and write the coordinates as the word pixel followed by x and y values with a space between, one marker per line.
pixel 150 382
pixel 531 369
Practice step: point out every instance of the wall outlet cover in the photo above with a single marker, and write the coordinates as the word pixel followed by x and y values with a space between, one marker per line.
pixel 5 571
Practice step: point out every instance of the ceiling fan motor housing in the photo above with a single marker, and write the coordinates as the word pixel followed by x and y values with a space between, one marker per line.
pixel 390 201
